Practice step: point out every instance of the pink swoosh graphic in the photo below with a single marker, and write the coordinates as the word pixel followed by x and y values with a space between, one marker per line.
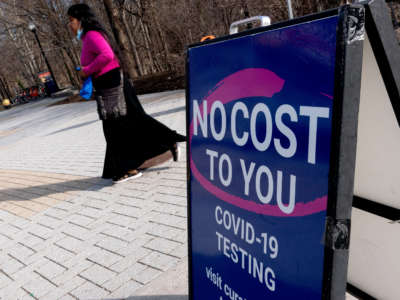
pixel 252 82
pixel 301 209
pixel 326 95
pixel 247 83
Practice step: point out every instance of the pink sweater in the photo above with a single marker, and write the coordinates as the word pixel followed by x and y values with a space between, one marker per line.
pixel 97 56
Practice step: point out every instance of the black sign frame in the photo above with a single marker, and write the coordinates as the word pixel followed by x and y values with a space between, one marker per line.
pixel 350 33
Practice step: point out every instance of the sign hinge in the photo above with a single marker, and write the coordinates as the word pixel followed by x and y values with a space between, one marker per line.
pixel 337 234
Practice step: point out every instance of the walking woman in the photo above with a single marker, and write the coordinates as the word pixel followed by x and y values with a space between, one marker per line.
pixel 131 135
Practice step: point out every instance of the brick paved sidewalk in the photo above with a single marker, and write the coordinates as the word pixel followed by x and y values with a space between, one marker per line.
pixel 73 237
pixel 66 233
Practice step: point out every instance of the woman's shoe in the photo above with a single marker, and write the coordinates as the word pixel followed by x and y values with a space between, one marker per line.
pixel 131 175
pixel 175 152
pixel 180 138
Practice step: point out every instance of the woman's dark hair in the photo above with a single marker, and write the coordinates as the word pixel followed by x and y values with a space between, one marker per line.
pixel 89 21
pixel 88 18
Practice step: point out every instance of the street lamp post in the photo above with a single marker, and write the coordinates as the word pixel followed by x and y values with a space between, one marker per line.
pixel 290 10
pixel 32 28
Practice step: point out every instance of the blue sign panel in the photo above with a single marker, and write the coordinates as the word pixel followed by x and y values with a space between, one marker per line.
pixel 260 125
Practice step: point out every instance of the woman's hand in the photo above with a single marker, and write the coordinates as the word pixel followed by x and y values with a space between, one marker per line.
pixel 82 75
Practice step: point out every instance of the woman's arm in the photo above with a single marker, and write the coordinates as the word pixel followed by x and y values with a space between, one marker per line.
pixel 96 43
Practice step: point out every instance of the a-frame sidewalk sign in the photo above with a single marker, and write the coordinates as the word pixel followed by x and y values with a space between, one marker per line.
pixel 374 264
pixel 272 117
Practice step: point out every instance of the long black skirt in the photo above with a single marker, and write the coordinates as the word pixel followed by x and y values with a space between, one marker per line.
pixel 130 142
pixel 134 138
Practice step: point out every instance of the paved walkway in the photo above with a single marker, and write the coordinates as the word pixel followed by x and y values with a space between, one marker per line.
pixel 65 233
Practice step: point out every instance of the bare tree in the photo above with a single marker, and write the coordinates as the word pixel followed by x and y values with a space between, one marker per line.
pixel 151 35
pixel 116 22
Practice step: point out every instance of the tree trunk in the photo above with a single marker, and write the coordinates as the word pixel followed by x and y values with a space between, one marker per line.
pixel 33 71
pixel 69 70
pixel 163 41
pixel 121 38
pixel 147 41
pixel 133 47
pixel 30 51
pixel 3 93
pixel 5 88
pixel 74 78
